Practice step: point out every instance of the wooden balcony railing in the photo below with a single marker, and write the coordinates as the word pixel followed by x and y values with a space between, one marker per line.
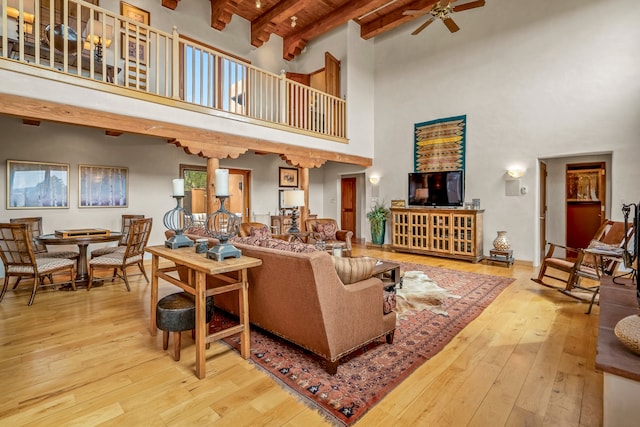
pixel 93 43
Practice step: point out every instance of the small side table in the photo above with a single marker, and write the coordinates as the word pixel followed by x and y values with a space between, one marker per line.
pixel 505 257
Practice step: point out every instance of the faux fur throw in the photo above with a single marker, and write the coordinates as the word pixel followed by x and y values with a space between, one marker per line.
pixel 419 293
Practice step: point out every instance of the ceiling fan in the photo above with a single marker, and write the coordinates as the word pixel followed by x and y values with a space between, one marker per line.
pixel 441 10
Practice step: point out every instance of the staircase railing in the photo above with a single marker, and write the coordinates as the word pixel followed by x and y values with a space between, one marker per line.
pixel 89 42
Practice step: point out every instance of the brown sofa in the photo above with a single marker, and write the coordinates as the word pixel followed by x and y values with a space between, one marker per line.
pixel 299 297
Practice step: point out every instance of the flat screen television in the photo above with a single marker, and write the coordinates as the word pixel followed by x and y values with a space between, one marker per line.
pixel 436 188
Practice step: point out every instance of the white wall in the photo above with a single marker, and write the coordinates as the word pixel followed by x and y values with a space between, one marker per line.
pixel 536 80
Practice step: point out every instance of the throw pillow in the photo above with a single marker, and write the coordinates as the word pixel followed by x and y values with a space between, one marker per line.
pixel 351 270
pixel 327 230
pixel 260 232
pixel 286 246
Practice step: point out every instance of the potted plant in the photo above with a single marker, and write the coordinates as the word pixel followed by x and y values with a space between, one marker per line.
pixel 378 216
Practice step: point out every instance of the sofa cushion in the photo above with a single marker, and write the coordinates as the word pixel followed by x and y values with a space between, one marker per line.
pixel 326 230
pixel 286 246
pixel 260 232
pixel 247 240
pixel 351 270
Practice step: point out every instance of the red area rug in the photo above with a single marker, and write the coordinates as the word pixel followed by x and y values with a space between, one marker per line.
pixel 366 376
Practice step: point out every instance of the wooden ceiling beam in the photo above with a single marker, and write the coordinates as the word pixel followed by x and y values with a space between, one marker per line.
pixel 393 19
pixel 265 24
pixel 40 110
pixel 337 17
pixel 207 150
pixel 170 4
pixel 221 13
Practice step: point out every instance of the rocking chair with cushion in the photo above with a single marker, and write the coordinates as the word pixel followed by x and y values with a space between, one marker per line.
pixel 133 253
pixel 326 230
pixel 16 250
pixel 610 235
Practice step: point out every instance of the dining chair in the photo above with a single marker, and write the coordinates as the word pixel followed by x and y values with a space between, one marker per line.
pixel 40 249
pixel 122 244
pixel 19 259
pixel 139 232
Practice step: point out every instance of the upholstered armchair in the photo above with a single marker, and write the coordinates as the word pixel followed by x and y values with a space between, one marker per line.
pixel 326 230
pixel 248 229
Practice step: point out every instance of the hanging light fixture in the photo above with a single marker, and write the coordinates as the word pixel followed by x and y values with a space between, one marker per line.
pixel 293 21
pixel 258 4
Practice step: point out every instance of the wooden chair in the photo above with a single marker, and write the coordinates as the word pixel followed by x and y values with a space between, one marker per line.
pixel 133 254
pixel 611 234
pixel 40 249
pixel 122 244
pixel 19 259
pixel 316 226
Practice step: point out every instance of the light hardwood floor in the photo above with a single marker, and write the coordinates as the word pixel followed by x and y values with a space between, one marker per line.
pixel 86 358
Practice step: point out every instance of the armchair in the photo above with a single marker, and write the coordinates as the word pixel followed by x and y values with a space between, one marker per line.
pixel 326 229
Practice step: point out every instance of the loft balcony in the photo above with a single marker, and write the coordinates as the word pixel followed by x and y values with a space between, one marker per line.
pixel 87 46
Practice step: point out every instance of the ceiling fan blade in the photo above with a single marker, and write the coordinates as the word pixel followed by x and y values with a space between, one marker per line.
pixel 452 26
pixel 467 6
pixel 422 27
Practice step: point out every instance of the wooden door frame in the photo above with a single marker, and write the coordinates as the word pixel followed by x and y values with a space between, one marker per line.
pixel 246 173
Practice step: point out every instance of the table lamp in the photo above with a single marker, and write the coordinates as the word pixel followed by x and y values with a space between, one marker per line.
pixel 98 35
pixel 294 199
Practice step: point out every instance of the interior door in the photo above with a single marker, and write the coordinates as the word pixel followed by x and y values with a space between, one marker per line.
pixel 348 205
pixel 542 214
pixel 585 198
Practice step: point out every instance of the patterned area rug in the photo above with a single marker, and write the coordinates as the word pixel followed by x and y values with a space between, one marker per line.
pixel 366 376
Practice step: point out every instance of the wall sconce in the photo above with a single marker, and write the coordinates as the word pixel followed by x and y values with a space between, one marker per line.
pixel 96 36
pixel 516 172
pixel 374 180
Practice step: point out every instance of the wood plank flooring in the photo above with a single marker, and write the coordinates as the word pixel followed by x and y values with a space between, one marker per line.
pixel 86 358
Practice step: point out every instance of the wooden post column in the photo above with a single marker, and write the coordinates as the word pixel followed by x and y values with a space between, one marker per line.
pixel 304 185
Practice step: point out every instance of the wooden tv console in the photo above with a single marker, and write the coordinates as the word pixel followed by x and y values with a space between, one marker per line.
pixel 451 233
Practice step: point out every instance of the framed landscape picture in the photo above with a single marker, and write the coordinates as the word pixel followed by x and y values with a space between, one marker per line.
pixel 288 177
pixel 37 185
pixel 103 187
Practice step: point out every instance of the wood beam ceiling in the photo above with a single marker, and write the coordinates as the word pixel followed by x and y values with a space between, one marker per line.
pixel 205 143
pixel 313 18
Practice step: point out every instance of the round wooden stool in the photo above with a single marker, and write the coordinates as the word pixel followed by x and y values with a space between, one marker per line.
pixel 176 313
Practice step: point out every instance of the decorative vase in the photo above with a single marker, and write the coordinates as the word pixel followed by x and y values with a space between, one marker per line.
pixel 377 231
pixel 502 242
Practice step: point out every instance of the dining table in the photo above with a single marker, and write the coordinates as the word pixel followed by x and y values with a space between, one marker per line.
pixel 82 241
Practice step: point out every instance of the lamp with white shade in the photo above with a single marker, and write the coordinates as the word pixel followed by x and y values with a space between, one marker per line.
pixel 98 35
pixel 294 199
pixel 27 14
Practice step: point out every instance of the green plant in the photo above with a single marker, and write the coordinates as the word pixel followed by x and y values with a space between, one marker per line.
pixel 378 212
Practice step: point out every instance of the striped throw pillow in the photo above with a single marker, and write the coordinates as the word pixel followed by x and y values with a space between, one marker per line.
pixel 351 270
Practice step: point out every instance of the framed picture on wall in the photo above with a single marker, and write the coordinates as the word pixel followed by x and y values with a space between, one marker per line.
pixel 37 185
pixel 135 13
pixel 103 187
pixel 288 177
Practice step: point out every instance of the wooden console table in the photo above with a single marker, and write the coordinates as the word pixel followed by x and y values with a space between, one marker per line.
pixel 620 366
pixel 451 233
pixel 232 271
